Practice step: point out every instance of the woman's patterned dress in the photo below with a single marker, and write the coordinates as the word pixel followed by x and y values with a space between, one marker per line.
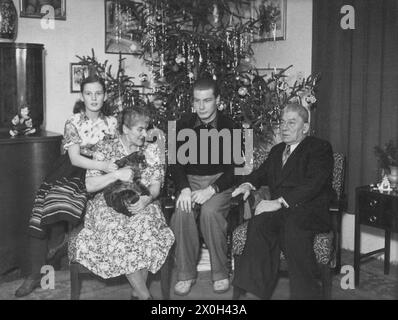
pixel 112 244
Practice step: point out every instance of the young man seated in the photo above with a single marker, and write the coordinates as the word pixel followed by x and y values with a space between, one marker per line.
pixel 204 183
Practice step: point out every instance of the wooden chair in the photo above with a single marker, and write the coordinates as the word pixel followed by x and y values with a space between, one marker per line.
pixel 339 204
pixel 77 271
pixel 327 246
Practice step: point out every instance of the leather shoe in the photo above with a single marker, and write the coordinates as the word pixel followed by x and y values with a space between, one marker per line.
pixel 183 287
pixel 60 249
pixel 29 285
pixel 221 286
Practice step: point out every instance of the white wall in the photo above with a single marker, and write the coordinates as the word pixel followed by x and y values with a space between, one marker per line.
pixel 297 47
pixel 83 29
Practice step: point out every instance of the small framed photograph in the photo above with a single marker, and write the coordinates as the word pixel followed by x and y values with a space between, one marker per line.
pixel 266 11
pixel 55 9
pixel 122 28
pixel 78 72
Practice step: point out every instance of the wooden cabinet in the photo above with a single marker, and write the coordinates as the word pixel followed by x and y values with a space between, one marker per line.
pixel 24 162
pixel 378 210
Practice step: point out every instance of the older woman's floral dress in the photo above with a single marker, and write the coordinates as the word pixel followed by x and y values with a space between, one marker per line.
pixel 112 244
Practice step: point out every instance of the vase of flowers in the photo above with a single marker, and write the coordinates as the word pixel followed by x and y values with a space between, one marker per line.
pixel 388 161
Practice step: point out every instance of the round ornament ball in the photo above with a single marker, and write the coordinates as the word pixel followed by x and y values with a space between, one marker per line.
pixel 242 91
pixel 133 47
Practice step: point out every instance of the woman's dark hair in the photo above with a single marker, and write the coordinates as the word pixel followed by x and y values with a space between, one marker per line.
pixel 129 116
pixel 92 78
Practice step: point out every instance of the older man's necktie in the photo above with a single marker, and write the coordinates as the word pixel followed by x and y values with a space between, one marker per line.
pixel 285 155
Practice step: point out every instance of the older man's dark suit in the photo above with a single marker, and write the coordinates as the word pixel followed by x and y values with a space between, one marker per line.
pixel 305 183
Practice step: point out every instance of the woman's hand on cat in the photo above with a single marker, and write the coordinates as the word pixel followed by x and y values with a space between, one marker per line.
pixel 109 166
pixel 140 204
pixel 124 174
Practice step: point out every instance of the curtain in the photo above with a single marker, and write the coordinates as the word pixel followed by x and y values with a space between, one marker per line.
pixel 357 106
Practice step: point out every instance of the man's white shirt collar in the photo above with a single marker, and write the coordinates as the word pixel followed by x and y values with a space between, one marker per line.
pixel 294 146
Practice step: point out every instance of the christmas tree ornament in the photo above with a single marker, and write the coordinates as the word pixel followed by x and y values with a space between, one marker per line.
pixel 175 68
pixel 273 26
pixel 242 91
pixel 246 81
pixel 221 106
pixel 133 47
pixel 215 14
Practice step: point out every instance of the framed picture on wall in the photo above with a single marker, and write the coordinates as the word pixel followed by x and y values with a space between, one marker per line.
pixel 121 26
pixel 271 16
pixel 268 72
pixel 78 72
pixel 43 8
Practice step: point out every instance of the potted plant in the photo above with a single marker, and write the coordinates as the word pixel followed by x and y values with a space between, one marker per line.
pixel 388 161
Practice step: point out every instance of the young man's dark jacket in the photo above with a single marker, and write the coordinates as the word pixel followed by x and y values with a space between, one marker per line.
pixel 180 171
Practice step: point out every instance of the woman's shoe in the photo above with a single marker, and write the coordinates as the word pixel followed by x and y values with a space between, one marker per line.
pixel 29 285
pixel 59 249
pixel 134 296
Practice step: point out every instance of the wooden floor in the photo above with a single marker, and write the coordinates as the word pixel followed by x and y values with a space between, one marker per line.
pixel 374 285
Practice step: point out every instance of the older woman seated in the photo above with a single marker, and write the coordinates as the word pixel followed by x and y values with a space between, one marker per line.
pixel 111 243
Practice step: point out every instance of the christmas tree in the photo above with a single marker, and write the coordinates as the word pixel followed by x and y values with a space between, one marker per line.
pixel 181 40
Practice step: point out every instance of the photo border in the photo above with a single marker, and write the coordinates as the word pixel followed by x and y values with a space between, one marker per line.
pixel 23 14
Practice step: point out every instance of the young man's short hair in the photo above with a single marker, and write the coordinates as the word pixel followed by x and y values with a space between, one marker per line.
pixel 206 83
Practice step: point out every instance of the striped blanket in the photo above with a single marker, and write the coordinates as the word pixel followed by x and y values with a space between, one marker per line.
pixel 63 200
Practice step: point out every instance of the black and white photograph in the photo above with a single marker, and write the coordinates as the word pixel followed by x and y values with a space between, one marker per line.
pixel 275 12
pixel 43 8
pixel 78 72
pixel 206 152
pixel 121 27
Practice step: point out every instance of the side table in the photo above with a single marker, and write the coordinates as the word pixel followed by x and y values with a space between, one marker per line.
pixel 378 210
